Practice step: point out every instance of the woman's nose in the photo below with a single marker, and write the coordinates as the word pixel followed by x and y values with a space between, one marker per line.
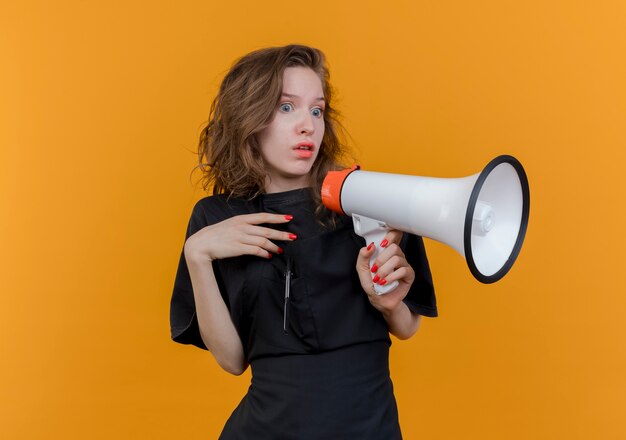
pixel 305 124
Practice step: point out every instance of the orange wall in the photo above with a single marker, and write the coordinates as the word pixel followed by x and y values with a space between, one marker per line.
pixel 101 104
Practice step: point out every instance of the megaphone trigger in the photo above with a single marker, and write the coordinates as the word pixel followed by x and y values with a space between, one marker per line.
pixel 373 231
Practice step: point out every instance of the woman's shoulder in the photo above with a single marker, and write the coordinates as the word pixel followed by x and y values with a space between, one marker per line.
pixel 219 207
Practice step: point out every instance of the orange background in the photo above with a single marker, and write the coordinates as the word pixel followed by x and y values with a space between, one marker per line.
pixel 101 104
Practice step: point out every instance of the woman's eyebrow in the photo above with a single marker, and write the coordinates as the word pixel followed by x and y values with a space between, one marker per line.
pixel 290 96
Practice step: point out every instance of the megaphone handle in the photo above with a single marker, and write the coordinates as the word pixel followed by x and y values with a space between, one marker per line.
pixel 380 290
pixel 373 231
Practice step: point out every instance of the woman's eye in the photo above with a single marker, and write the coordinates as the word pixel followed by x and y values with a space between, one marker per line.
pixel 317 112
pixel 286 108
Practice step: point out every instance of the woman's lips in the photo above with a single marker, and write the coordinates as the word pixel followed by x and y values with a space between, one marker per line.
pixel 304 150
pixel 304 154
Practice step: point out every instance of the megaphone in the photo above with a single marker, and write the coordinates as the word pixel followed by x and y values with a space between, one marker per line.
pixel 483 217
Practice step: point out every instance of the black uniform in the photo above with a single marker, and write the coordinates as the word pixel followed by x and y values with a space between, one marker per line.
pixel 327 376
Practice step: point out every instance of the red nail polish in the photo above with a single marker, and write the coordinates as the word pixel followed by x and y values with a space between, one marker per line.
pixel 374 268
pixel 292 236
pixel 269 256
pixel 370 246
pixel 280 250
pixel 383 282
pixel 376 278
pixel 289 217
pixel 384 243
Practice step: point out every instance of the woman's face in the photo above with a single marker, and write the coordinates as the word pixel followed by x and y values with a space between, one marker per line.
pixel 291 143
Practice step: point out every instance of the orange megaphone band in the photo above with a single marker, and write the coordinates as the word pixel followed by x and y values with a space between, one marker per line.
pixel 331 188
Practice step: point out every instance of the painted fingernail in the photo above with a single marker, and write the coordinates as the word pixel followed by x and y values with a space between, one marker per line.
pixel 370 246
pixel 374 268
pixel 292 236
pixel 384 243
pixel 288 217
pixel 383 282
pixel 269 256
pixel 280 250
pixel 376 278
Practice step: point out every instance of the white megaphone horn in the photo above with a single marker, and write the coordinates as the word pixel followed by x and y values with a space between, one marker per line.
pixel 483 217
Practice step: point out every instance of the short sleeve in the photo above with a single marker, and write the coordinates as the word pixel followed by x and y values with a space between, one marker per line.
pixel 421 297
pixel 183 321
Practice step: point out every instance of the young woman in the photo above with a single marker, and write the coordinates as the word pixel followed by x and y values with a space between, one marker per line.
pixel 272 280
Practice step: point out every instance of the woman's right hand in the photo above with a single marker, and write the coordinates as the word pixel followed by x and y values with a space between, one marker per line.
pixel 236 236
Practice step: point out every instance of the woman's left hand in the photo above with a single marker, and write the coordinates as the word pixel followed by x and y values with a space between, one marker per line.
pixel 390 265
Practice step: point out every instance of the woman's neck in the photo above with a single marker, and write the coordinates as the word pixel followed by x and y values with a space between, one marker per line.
pixel 282 185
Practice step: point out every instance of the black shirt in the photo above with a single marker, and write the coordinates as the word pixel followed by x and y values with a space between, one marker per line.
pixel 328 308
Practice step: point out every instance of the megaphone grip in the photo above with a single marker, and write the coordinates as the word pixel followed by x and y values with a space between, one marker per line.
pixel 373 231
pixel 381 290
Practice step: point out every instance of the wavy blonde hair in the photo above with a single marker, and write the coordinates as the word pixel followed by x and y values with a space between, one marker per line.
pixel 228 152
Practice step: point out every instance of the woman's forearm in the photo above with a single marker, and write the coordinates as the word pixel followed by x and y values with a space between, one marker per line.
pixel 401 321
pixel 216 328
